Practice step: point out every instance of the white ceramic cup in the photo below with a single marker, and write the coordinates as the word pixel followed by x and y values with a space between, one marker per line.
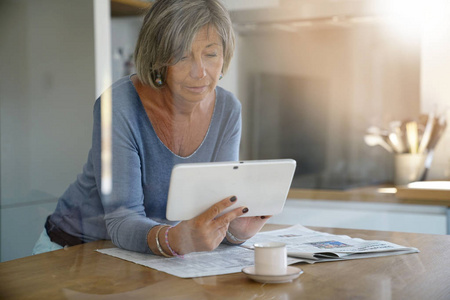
pixel 270 258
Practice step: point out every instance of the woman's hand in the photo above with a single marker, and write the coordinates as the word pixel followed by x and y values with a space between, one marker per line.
pixel 246 227
pixel 207 231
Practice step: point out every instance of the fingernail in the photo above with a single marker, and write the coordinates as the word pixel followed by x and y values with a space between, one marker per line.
pixel 245 210
pixel 263 217
pixel 232 199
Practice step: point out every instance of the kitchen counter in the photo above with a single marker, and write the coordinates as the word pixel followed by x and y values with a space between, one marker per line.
pixel 375 195
pixel 381 194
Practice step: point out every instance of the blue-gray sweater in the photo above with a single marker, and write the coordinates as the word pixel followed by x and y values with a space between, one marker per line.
pixel 141 166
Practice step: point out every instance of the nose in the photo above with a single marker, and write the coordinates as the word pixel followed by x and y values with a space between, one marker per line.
pixel 198 69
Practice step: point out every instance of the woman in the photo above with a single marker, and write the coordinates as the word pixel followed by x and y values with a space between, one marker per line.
pixel 170 112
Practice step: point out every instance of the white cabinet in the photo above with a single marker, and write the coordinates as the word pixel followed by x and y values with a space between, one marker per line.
pixel 47 92
pixel 359 215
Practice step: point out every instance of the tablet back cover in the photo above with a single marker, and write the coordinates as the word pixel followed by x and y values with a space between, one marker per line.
pixel 260 185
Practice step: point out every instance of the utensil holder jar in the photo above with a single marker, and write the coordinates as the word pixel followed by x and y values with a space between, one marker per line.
pixel 408 167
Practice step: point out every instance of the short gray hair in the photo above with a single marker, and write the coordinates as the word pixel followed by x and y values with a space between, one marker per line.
pixel 169 29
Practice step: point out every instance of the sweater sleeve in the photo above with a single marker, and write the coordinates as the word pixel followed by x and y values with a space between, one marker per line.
pixel 124 211
pixel 229 148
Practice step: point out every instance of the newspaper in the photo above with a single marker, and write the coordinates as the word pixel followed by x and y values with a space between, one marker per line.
pixel 303 245
pixel 225 259
pixel 314 246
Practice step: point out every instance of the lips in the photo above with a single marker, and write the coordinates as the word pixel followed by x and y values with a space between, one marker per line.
pixel 197 89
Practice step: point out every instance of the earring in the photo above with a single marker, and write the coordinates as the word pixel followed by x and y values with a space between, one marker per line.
pixel 158 80
pixel 221 76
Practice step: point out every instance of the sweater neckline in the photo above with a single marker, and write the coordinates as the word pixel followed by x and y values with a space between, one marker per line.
pixel 153 129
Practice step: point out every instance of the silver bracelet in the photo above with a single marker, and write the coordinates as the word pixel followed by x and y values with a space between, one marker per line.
pixel 158 245
pixel 233 238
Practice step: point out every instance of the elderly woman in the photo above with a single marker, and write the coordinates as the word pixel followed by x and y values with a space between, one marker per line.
pixel 170 112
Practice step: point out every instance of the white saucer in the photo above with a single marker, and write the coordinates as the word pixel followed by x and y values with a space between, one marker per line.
pixel 291 274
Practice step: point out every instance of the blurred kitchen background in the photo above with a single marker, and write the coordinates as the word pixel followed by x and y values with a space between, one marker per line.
pixel 312 76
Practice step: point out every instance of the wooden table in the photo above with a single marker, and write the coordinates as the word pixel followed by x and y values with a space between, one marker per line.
pixel 80 272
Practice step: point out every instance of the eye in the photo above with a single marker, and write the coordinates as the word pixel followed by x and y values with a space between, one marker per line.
pixel 212 55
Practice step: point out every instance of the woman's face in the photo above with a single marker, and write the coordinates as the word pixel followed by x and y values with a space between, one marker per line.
pixel 195 76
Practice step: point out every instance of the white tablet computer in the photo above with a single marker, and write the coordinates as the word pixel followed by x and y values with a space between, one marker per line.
pixel 260 185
